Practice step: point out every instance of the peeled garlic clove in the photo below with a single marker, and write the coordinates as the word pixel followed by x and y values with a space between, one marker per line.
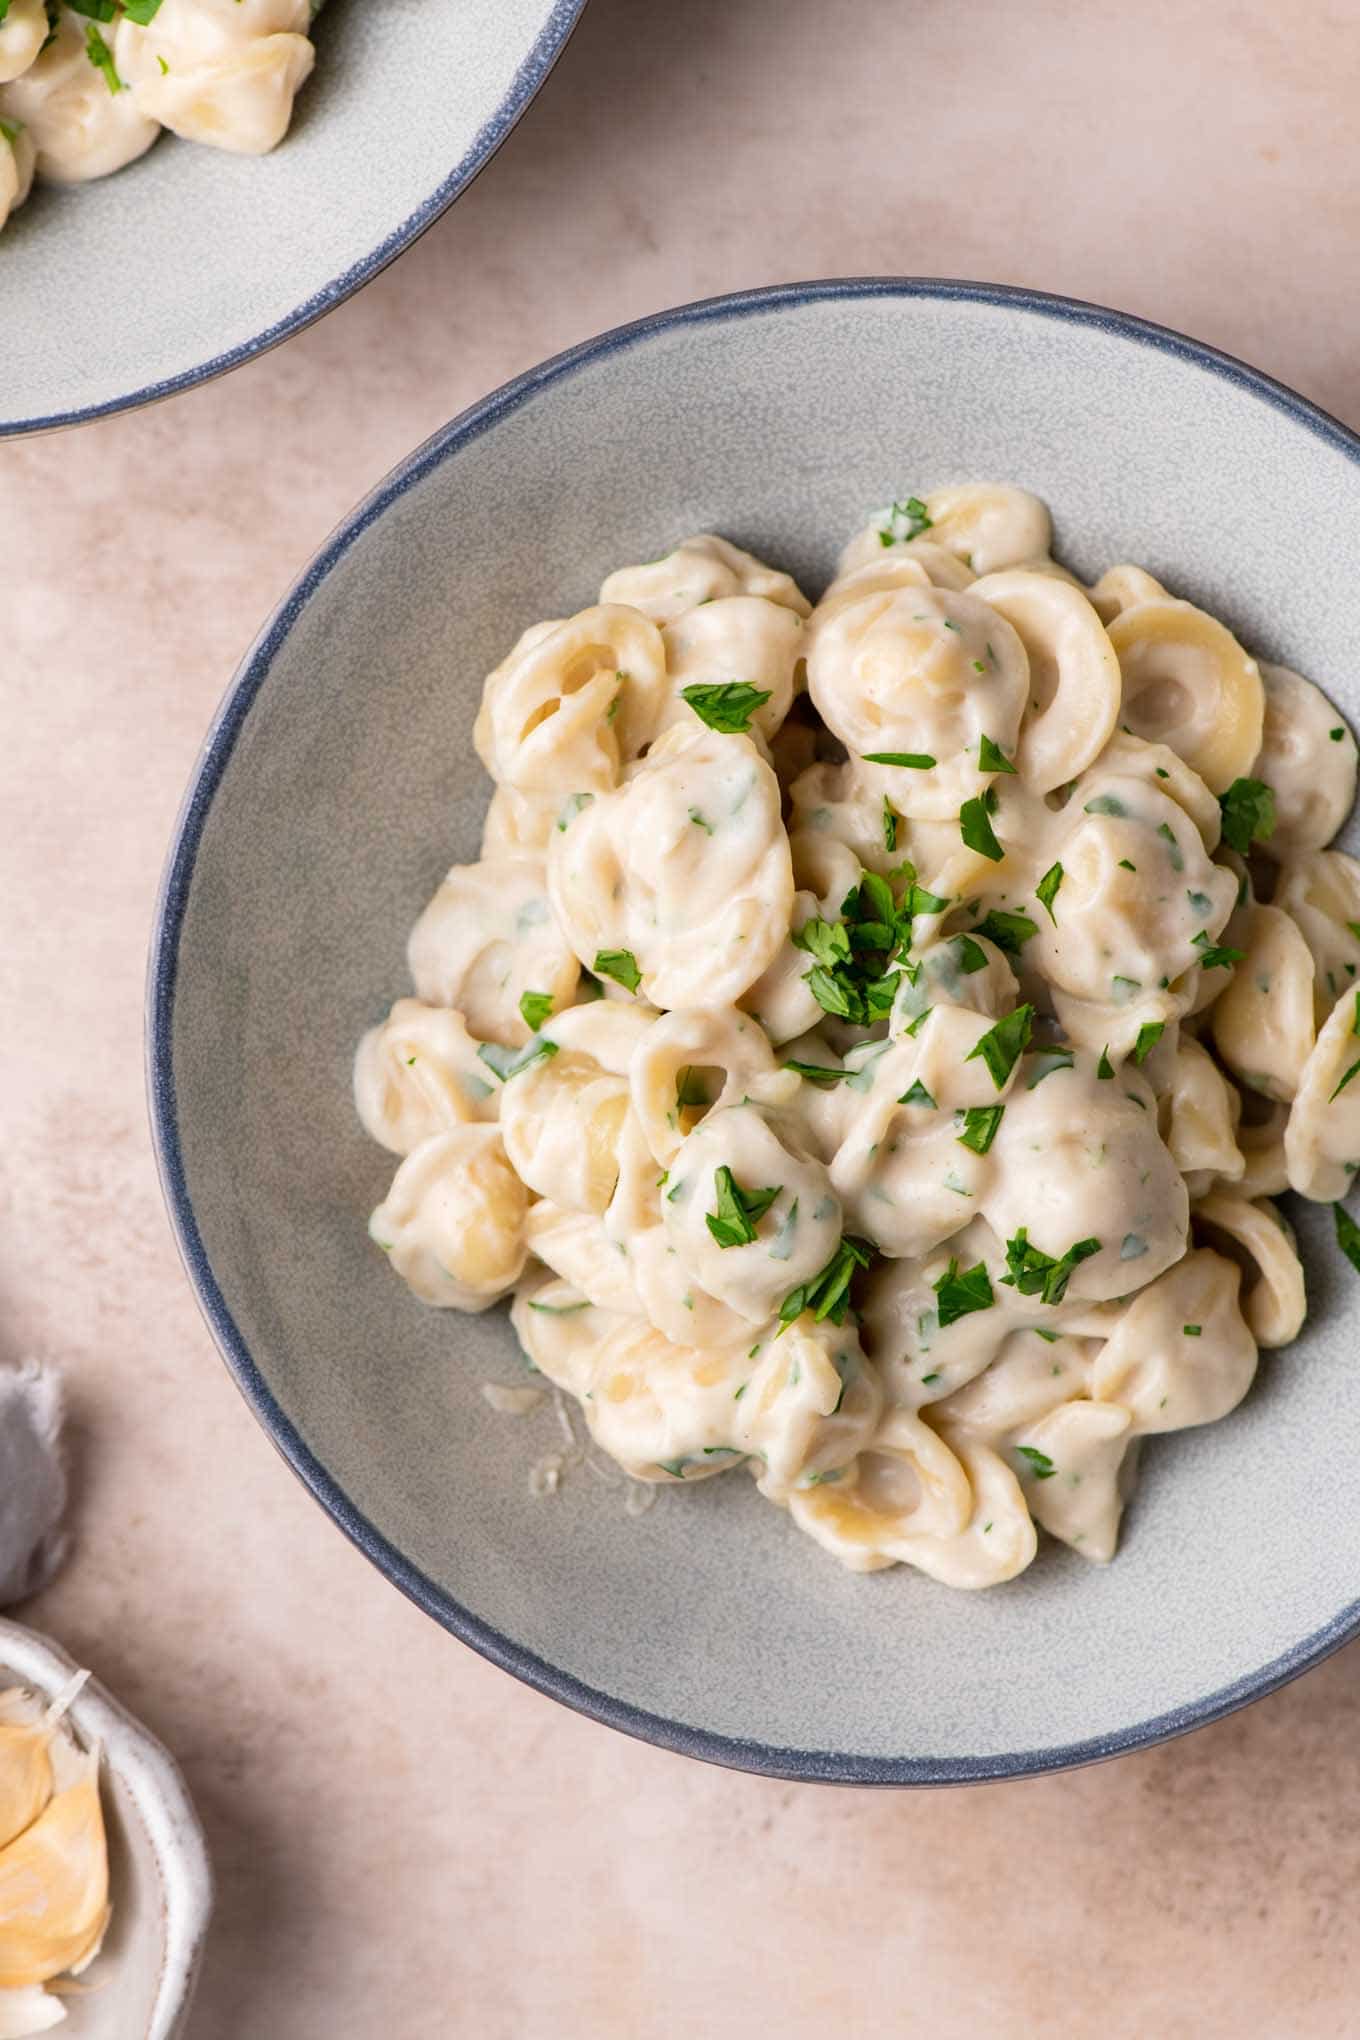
pixel 25 1768
pixel 24 2012
pixel 54 1885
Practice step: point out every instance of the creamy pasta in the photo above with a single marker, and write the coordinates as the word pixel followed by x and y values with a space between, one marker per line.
pixel 871 1039
pixel 86 88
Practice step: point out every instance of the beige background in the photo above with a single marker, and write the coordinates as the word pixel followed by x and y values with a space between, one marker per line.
pixel 407 1842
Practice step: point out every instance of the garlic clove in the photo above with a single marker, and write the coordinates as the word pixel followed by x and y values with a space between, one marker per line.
pixel 24 2012
pixel 54 1884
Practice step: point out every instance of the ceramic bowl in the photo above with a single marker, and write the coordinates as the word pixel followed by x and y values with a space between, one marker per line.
pixel 140 1984
pixel 338 784
pixel 190 261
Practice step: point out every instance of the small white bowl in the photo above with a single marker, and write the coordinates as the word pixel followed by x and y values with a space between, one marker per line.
pixel 140 1985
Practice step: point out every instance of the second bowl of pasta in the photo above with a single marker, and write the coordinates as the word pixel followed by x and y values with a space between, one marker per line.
pixel 878 1008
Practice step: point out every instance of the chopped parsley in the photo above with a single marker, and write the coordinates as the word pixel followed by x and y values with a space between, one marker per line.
pixel 1192 1331
pixel 1105 1068
pixel 1168 834
pixel 917 1095
pixel 509 1062
pixel 1347 1235
pixel 972 956
pixel 619 964
pixel 991 757
pixel 1200 903
pixel 1046 891
pixel 1149 1034
pixel 1124 865
pixel 827 1295
pixel 816 1073
pixel 560 1309
pixel 144 12
pixel 904 521
pixel 889 826
pixel 975 827
pixel 961 1294
pixel 1106 804
pixel 733 1224
pixel 1040 1463
pixel 1336 735
pixel 1213 955
pixel 101 56
pixel 980 1123
pixel 1351 1072
pixel 1035 1273
pixel 1248 814
pixel 1046 1062
pixel 534 1009
pixel 853 975
pixel 914 761
pixel 726 705
pixel 1008 931
pixel 1002 1045
pixel 699 821
pixel 690 1089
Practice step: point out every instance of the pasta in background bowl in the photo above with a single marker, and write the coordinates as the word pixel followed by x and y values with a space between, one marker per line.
pixel 869 1037
pixel 406 105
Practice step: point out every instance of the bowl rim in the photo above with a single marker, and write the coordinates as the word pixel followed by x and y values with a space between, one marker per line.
pixel 547 47
pixel 738 1753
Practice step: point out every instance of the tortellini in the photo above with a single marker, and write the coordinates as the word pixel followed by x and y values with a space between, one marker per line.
pixel 453 1221
pixel 684 870
pixel 85 91
pixel 898 1127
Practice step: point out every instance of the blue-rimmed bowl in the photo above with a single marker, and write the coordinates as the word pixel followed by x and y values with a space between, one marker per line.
pixel 337 785
pixel 191 261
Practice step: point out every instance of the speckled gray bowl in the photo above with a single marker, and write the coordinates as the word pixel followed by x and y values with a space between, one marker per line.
pixel 190 261
pixel 339 782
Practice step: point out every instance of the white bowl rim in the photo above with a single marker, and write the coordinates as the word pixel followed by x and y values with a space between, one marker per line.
pixel 548 46
pixel 832 1767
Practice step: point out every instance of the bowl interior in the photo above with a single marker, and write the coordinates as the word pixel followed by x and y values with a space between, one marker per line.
pixel 405 104
pixel 342 782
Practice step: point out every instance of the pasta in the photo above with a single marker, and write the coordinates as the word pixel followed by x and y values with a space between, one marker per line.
pixel 871 1038
pixel 86 89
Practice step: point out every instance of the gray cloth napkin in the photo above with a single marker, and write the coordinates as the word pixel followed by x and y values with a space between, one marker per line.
pixel 33 1539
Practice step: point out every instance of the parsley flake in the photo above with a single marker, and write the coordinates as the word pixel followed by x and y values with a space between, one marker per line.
pixel 827 1295
pixel 980 1123
pixel 726 705
pixel 1035 1273
pixel 1008 931
pixel 733 1224
pixel 1040 1463
pixel 917 1095
pixel 1046 891
pixel 619 964
pixel 1248 814
pixel 1149 1034
pixel 1214 956
pixel 509 1062
pixel 534 1009
pixel 1347 1235
pixel 1003 1044
pixel 991 757
pixel 961 1294
pixel 975 827
pixel 915 761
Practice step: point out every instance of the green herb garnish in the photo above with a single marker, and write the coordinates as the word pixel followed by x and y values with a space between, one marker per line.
pixel 1035 1273
pixel 889 826
pixel 509 1062
pixel 1046 891
pixel 991 757
pixel 1043 1466
pixel 619 964
pixel 726 705
pixel 1192 1331
pixel 1248 814
pixel 980 1123
pixel 1149 1034
pixel 816 1073
pixel 733 1224
pixel 1008 931
pixel 827 1295
pixel 917 1095
pixel 1001 1045
pixel 1214 956
pixel 1347 1235
pixel 975 827
pixel 911 514
pixel 915 761
pixel 101 56
pixel 534 1009
pixel 961 1294
pixel 1105 1068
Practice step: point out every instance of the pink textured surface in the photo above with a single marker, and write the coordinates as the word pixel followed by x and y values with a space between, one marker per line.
pixel 406 1841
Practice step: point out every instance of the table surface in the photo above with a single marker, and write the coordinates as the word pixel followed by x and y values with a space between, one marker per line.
pixel 406 1841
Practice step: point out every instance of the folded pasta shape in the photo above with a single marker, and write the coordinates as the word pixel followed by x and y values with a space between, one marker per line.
pixel 899 1125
